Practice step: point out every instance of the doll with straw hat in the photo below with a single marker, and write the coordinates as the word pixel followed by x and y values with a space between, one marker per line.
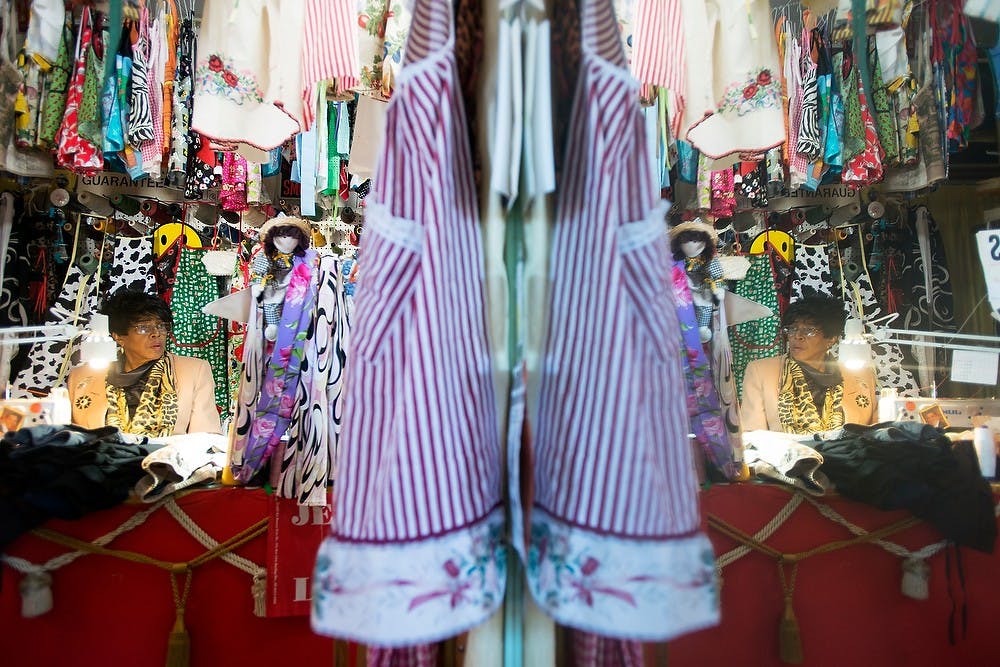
pixel 282 239
pixel 694 242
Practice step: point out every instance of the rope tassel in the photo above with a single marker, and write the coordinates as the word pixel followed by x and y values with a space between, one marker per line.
pixel 36 594
pixel 259 592
pixel 916 578
pixel 179 644
pixel 789 639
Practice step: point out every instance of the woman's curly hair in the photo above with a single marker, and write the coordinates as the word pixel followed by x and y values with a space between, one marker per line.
pixel 127 306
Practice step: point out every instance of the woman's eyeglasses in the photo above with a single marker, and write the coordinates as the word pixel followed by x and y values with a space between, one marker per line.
pixel 151 328
pixel 801 332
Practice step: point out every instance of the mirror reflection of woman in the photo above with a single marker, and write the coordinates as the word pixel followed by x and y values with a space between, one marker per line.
pixel 807 390
pixel 147 391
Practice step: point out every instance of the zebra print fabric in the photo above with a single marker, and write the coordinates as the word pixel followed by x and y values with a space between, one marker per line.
pixel 809 136
pixel 140 115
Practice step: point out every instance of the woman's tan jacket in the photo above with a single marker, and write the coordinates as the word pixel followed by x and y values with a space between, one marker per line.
pixel 196 412
pixel 762 380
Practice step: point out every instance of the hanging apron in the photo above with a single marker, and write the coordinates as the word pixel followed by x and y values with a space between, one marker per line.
pixel 760 338
pixel 616 546
pixel 928 302
pixel 49 364
pixel 812 271
pixel 855 284
pixel 414 552
pixel 195 333
pixel 132 264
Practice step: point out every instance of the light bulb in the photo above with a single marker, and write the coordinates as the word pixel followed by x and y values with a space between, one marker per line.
pixel 855 351
pixel 98 349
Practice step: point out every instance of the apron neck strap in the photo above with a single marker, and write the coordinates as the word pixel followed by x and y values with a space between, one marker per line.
pixel 431 30
pixel 600 33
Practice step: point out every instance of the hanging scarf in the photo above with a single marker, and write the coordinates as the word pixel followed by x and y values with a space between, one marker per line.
pixel 277 391
pixel 156 413
pixel 797 409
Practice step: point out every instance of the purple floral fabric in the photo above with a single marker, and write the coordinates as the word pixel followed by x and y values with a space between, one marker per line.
pixel 702 399
pixel 277 392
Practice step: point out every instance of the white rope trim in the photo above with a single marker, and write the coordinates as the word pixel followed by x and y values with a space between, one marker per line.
pixel 258 588
pixel 831 514
pixel 26 567
pixel 769 529
pixel 209 542
pixel 891 547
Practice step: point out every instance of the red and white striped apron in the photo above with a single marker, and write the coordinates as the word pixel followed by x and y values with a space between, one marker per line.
pixel 658 54
pixel 616 544
pixel 329 49
pixel 414 553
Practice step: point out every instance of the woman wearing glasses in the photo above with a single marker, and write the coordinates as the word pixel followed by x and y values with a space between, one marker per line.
pixel 148 391
pixel 806 390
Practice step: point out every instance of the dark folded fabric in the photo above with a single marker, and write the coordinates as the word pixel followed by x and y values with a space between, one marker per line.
pixel 913 466
pixel 64 472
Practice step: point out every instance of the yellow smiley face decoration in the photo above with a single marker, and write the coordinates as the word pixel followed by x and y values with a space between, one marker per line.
pixel 782 242
pixel 166 235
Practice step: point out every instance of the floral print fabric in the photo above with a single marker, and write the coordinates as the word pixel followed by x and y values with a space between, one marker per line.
pixel 247 77
pixel 738 86
pixel 307 464
pixel 383 27
pixel 702 398
pixel 258 434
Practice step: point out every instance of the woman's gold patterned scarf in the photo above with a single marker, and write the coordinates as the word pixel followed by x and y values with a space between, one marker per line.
pixel 156 414
pixel 797 409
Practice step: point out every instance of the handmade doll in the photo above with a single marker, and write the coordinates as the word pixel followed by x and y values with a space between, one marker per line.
pixel 694 242
pixel 283 239
pixel 284 284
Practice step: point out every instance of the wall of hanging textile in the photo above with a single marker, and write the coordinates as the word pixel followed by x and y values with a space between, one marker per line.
pixel 808 96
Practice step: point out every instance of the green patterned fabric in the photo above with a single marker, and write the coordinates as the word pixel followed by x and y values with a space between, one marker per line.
pixel 195 333
pixel 90 108
pixel 55 97
pixel 758 339
pixel 854 125
pixel 885 117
